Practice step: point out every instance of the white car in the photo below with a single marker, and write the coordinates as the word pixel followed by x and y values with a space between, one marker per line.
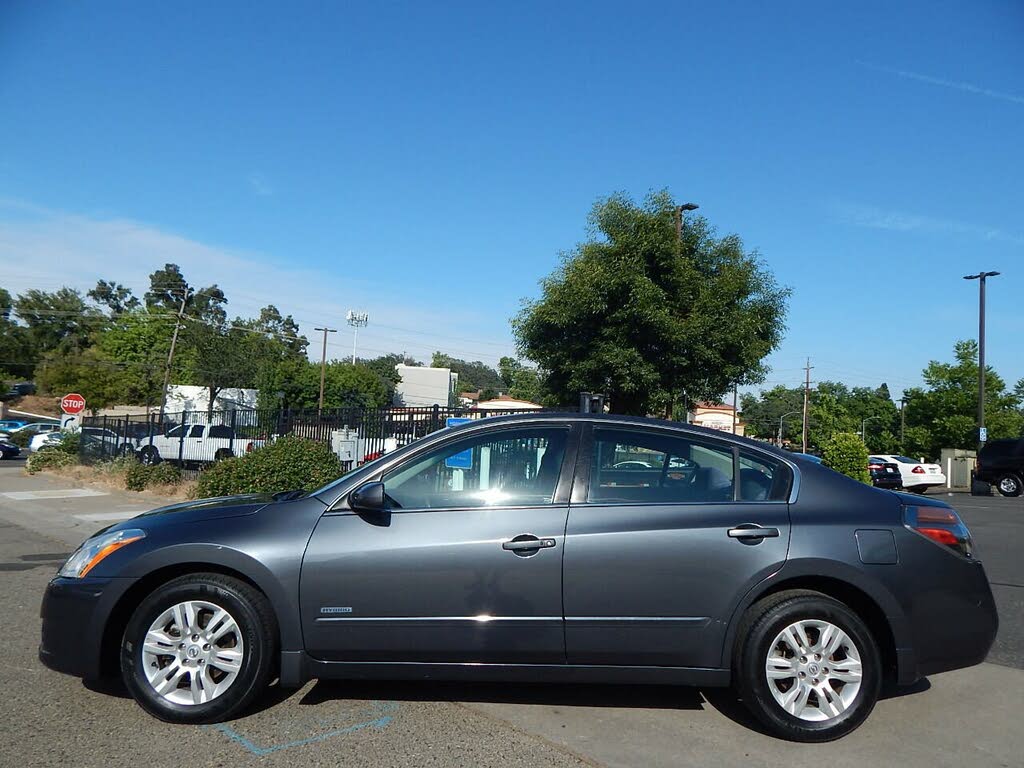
pixel 916 476
pixel 42 441
pixel 35 428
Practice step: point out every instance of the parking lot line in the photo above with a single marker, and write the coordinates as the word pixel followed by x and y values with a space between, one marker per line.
pixel 67 493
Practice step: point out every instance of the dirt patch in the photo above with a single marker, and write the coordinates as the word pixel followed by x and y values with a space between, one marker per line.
pixel 41 404
pixel 107 478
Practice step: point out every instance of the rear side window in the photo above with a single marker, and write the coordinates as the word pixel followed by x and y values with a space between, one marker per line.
pixel 762 478
pixel 1001 448
pixel 630 466
pixel 219 430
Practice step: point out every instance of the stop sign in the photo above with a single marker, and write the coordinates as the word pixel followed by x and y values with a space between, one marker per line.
pixel 72 404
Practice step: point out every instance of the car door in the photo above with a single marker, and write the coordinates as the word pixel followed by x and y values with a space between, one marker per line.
pixel 656 558
pixel 466 566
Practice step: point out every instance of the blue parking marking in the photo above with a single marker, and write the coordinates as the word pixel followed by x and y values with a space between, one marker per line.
pixel 383 709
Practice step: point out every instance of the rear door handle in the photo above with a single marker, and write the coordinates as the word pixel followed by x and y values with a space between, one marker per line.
pixel 749 531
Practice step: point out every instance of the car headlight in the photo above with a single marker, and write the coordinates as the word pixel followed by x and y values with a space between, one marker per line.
pixel 94 550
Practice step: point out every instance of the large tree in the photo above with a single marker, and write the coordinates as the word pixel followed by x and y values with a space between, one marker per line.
pixel 649 318
pixel 943 414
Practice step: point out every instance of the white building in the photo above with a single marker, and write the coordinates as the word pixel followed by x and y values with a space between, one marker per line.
pixel 185 397
pixel 424 387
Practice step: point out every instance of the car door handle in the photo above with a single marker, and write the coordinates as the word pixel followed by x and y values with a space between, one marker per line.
pixel 526 543
pixel 752 531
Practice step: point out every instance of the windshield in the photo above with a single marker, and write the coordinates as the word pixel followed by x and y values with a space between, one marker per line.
pixel 368 467
pixel 905 460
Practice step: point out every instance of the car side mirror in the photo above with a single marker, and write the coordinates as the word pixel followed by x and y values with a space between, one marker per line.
pixel 369 498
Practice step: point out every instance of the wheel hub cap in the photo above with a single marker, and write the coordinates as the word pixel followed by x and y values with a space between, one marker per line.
pixel 814 670
pixel 192 652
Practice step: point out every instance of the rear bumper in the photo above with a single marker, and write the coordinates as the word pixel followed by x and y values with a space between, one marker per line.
pixel 74 617
pixel 889 483
pixel 916 481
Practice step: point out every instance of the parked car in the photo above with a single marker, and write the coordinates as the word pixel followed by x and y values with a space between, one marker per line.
pixel 505 549
pixel 44 440
pixel 195 444
pixel 7 425
pixel 915 475
pixel 1001 463
pixel 884 474
pixel 807 457
pixel 9 450
pixel 34 428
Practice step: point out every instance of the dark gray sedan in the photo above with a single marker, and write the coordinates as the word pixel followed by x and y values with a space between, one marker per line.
pixel 546 547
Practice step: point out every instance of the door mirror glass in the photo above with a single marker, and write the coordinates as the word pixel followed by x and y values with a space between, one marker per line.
pixel 368 497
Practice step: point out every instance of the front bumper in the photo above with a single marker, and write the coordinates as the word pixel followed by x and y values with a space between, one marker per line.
pixel 75 614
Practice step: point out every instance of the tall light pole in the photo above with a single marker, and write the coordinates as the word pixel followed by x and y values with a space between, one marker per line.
pixel 323 364
pixel 357 320
pixel 679 217
pixel 781 419
pixel 981 277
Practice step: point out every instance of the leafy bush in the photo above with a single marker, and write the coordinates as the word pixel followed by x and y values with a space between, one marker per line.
pixel 70 443
pixel 49 459
pixel 21 438
pixel 291 463
pixel 845 452
pixel 139 477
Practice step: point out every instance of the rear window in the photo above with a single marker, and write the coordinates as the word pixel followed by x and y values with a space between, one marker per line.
pixel 905 460
pixel 1000 448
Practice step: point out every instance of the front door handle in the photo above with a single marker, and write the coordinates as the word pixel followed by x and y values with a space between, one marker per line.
pixel 527 544
pixel 752 531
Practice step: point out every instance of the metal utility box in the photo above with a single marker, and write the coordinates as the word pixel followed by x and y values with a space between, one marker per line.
pixel 344 443
pixel 958 463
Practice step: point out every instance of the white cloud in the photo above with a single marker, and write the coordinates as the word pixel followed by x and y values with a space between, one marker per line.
pixel 259 184
pixel 899 221
pixel 944 83
pixel 46 249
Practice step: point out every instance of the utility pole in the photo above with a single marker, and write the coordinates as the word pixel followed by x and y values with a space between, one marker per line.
pixel 735 397
pixel 357 320
pixel 807 398
pixel 170 355
pixel 323 365
pixel 981 277
pixel 903 423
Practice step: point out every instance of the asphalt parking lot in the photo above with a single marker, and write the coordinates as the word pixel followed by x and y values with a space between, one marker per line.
pixel 966 717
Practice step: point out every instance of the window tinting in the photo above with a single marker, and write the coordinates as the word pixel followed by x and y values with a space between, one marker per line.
pixel 762 479
pixel 518 467
pixel 219 430
pixel 639 467
pixel 197 431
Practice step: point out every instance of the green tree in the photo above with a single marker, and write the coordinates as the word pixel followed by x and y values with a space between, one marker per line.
pixel 943 414
pixel 114 296
pixel 57 320
pixel 17 356
pixel 90 373
pixel 473 376
pixel 845 452
pixel 644 317
pixel 138 341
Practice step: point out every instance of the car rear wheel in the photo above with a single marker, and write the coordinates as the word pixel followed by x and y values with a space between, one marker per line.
pixel 149 456
pixel 199 649
pixel 807 667
pixel 1010 485
pixel 223 453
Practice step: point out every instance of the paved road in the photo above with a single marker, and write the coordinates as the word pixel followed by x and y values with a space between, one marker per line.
pixel 966 717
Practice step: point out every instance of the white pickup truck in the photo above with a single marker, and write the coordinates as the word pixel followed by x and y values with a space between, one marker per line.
pixel 195 444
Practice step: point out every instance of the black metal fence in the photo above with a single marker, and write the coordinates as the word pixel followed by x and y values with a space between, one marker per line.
pixel 195 438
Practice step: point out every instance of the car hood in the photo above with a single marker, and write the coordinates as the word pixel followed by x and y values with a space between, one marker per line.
pixel 194 511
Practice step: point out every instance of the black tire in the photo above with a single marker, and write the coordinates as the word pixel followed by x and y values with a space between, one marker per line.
pixel 256 623
pixel 1013 485
pixel 128 450
pixel 223 453
pixel 149 456
pixel 921 489
pixel 762 624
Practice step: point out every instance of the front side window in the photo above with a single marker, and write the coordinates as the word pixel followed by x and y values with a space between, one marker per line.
pixel 651 467
pixel 197 431
pixel 516 467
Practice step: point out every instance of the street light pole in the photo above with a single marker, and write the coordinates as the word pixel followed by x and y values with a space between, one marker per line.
pixel 864 427
pixel 679 217
pixel 981 277
pixel 323 365
pixel 781 418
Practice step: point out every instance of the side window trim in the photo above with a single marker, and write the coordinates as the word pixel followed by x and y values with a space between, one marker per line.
pixel 580 494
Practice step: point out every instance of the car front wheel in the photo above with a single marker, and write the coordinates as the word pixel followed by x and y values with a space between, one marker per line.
pixel 808 667
pixel 199 649
pixel 1009 485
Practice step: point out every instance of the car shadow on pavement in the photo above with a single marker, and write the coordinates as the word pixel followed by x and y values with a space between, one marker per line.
pixel 544 694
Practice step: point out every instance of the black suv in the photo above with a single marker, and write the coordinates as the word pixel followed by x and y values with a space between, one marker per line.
pixel 1001 463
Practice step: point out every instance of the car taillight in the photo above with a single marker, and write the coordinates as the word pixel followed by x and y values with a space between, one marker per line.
pixel 942 525
pixel 872 467
pixel 249 447
pixel 918 470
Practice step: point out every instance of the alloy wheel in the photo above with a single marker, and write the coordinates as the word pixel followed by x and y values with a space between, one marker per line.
pixel 1009 486
pixel 192 652
pixel 814 670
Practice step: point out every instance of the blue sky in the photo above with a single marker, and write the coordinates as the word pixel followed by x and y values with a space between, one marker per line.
pixel 428 162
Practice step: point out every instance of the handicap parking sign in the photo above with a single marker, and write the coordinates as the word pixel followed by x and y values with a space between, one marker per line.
pixel 462 459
